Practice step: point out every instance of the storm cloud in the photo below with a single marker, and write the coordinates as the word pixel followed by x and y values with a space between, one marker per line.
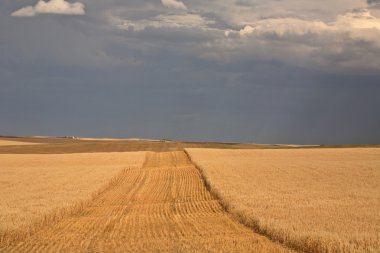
pixel 252 71
pixel 373 2
pixel 174 4
pixel 346 42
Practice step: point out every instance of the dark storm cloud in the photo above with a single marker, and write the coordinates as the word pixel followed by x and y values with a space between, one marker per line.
pixel 373 2
pixel 140 69
pixel 247 3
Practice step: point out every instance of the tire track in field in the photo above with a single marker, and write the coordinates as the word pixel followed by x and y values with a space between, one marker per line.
pixel 162 207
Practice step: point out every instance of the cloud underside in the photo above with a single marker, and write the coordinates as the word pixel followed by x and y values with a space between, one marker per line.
pixel 352 41
pixel 174 4
pixel 60 7
pixel 167 21
pixel 373 2
pixel 232 32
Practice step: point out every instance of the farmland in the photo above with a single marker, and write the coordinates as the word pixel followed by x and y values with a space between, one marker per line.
pixel 15 143
pixel 161 206
pixel 131 195
pixel 314 200
pixel 33 186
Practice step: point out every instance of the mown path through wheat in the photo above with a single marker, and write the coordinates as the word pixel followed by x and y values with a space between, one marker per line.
pixel 161 207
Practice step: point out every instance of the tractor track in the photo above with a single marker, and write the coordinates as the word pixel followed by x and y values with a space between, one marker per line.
pixel 162 207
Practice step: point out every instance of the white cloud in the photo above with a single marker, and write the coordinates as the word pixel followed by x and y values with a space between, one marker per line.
pixel 174 4
pixel 349 22
pixel 358 19
pixel 237 13
pixel 61 7
pixel 25 12
pixel 344 42
pixel 245 30
pixel 357 25
pixel 167 21
pixel 350 42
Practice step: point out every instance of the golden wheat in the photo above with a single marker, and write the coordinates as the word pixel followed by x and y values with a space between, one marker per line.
pixel 161 207
pixel 32 186
pixel 316 200
pixel 15 143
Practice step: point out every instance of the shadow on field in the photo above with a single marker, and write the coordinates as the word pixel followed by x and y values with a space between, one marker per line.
pixel 62 145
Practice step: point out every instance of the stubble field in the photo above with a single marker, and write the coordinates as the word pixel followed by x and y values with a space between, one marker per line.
pixel 33 186
pixel 314 200
pixel 15 143
pixel 153 202
pixel 89 195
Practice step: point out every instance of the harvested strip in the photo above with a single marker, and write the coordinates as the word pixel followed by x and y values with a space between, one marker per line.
pixel 162 207
pixel 33 185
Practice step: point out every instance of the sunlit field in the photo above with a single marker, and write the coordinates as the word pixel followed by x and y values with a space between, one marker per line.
pixel 15 143
pixel 33 186
pixel 85 195
pixel 160 205
pixel 183 126
pixel 315 200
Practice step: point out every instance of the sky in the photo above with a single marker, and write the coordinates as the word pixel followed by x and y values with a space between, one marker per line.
pixel 273 71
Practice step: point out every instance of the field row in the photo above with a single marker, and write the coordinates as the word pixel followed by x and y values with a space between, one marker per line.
pixel 315 200
pixel 162 206
pixel 34 188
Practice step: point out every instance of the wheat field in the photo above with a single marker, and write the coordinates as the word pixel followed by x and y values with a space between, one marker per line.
pixel 33 186
pixel 315 200
pixel 15 143
pixel 252 200
pixel 162 206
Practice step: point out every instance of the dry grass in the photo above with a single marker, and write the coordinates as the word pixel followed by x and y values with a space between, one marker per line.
pixel 15 143
pixel 161 207
pixel 316 200
pixel 34 188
